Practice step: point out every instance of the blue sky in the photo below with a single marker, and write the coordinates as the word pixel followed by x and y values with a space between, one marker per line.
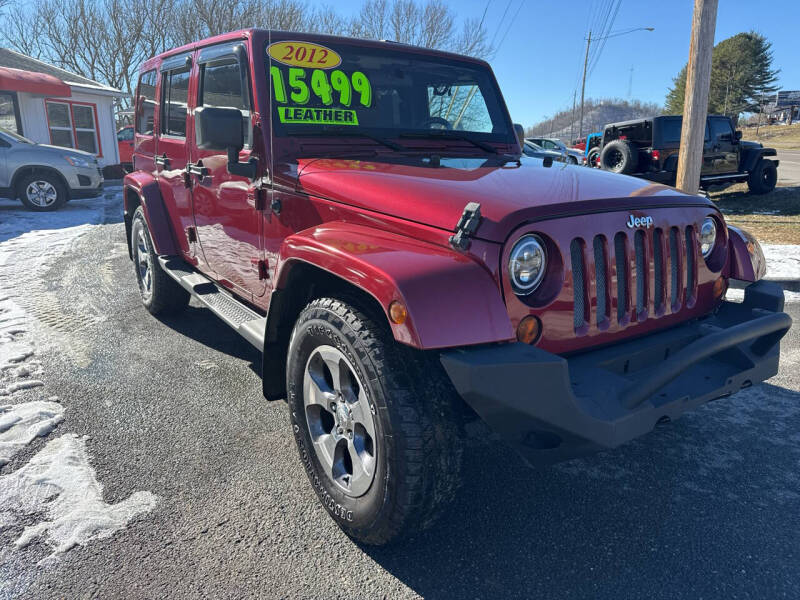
pixel 539 62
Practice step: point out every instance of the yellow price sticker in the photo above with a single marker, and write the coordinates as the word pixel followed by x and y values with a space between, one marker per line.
pixel 304 54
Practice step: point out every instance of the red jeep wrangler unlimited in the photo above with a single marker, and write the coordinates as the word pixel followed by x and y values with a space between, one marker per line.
pixel 360 212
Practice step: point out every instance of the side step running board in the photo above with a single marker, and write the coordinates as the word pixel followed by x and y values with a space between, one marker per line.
pixel 248 323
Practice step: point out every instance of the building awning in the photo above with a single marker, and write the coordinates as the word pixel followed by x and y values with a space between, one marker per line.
pixel 15 80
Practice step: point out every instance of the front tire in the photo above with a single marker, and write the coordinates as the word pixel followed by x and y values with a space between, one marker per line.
pixel 159 292
pixel 763 178
pixel 42 192
pixel 373 425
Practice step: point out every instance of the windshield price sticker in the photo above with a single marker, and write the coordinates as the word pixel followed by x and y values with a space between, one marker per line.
pixel 304 54
pixel 317 116
pixel 303 90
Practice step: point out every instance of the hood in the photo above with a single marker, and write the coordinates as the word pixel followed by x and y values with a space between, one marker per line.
pixel 69 151
pixel 509 193
pixel 748 144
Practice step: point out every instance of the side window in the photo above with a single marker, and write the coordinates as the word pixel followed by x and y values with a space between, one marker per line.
pixel 720 128
pixel 125 135
pixel 174 100
pixel 146 105
pixel 222 84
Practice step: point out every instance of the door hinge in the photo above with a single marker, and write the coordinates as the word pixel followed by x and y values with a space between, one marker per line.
pixel 262 270
pixel 191 233
pixel 260 198
pixel 467 225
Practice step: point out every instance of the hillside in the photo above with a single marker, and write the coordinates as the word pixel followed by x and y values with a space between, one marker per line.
pixel 777 136
pixel 596 114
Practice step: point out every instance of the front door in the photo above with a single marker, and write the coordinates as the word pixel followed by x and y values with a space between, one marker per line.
pixel 723 146
pixel 171 154
pixel 229 224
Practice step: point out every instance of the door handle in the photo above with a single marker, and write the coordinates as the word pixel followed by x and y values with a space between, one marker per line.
pixel 162 160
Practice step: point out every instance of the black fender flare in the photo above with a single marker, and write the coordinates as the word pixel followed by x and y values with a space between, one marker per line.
pixel 751 156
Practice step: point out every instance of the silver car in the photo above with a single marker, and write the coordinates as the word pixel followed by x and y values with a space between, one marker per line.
pixel 45 177
pixel 574 157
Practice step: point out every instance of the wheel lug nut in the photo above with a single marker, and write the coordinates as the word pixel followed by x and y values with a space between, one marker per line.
pixel 350 434
pixel 340 431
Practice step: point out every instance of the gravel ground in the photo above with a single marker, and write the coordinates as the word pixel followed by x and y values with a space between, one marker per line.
pixel 706 507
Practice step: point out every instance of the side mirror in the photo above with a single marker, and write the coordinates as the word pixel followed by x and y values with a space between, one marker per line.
pixel 738 136
pixel 218 128
pixel 520 131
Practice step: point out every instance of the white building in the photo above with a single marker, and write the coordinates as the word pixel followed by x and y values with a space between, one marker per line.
pixel 53 106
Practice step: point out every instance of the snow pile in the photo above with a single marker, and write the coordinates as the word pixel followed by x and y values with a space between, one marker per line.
pixel 783 261
pixel 60 484
pixel 20 423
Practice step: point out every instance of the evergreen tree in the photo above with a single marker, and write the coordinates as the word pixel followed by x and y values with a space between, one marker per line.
pixel 741 75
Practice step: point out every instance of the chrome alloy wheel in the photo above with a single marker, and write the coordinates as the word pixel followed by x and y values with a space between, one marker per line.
pixel 340 420
pixel 144 265
pixel 41 193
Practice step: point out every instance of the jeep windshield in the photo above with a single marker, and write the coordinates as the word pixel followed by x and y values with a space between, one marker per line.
pixel 347 91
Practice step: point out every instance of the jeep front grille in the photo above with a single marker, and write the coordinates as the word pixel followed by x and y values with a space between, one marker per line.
pixel 634 277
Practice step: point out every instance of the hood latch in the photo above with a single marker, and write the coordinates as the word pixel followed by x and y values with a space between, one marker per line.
pixel 467 226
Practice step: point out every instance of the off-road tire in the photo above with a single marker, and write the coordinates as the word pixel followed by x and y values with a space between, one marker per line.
pixel 62 195
pixel 763 178
pixel 418 462
pixel 619 156
pixel 166 295
pixel 591 157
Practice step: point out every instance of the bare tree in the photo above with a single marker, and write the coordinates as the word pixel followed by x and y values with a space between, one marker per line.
pixel 107 40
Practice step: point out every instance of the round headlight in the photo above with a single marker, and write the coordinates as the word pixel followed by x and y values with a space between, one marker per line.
pixel 526 265
pixel 708 235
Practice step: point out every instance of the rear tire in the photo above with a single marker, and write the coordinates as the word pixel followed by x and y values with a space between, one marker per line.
pixel 406 467
pixel 42 192
pixel 591 157
pixel 619 156
pixel 159 292
pixel 763 178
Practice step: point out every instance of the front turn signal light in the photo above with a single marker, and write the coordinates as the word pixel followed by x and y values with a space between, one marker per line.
pixel 529 330
pixel 398 312
pixel 720 287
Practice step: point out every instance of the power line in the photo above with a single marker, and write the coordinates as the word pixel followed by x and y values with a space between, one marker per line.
pixel 500 24
pixel 510 23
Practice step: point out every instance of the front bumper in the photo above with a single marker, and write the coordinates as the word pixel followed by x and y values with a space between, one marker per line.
pixel 552 408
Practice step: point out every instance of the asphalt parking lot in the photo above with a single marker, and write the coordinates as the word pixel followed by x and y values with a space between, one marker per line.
pixel 705 507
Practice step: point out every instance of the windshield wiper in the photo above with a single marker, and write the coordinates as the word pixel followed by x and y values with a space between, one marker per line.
pixel 449 134
pixel 341 132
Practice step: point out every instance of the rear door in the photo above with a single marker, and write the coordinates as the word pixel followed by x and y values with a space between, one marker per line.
pixel 229 224
pixel 172 150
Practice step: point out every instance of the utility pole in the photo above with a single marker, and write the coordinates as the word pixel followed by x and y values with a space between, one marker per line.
pixel 572 121
pixel 583 85
pixel 630 83
pixel 695 103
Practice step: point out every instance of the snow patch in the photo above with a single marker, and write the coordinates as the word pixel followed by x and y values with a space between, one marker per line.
pixel 20 423
pixel 737 295
pixel 783 261
pixel 60 484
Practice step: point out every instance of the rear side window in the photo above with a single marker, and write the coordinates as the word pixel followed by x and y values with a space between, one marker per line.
pixel 223 84
pixel 671 130
pixel 146 106
pixel 174 102
pixel 720 127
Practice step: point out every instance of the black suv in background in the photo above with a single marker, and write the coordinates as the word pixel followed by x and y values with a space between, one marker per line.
pixel 648 148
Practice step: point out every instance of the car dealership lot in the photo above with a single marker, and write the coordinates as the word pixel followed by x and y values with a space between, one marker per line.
pixel 703 507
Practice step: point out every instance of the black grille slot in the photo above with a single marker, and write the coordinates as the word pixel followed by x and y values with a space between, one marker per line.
pixel 601 277
pixel 622 275
pixel 675 276
pixel 641 271
pixel 690 257
pixel 658 269
pixel 579 290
